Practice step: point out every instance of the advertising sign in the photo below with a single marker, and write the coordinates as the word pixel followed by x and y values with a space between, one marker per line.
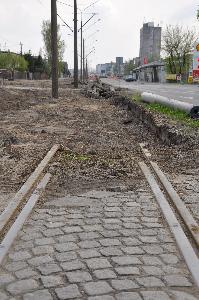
pixel 196 63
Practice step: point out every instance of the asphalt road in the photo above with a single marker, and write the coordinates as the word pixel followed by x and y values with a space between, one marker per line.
pixel 185 93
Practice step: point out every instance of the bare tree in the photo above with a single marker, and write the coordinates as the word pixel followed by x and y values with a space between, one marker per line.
pixel 177 45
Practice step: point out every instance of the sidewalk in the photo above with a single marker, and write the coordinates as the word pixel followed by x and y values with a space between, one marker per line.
pixel 97 246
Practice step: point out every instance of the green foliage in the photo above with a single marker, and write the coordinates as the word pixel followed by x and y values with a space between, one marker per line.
pixel 176 115
pixel 35 64
pixel 12 61
pixel 77 157
pixel 177 45
pixel 129 67
pixel 46 33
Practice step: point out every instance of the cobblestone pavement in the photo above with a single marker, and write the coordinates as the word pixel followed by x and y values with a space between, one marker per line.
pixel 97 246
pixel 188 189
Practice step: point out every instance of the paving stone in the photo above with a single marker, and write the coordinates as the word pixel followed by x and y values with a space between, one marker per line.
pixel 69 292
pixel 104 274
pixel 46 249
pixel 97 288
pixel 92 221
pixel 148 239
pixel 52 281
pixel 24 245
pixel 127 271
pixel 174 280
pixel 90 253
pixel 129 232
pixel 151 260
pixel 153 249
pixel 52 232
pixel 149 281
pixel 112 226
pixel 75 222
pixel 151 270
pixel 67 238
pixel 111 251
pixel 179 295
pixel 125 284
pixel 72 265
pixel 109 242
pixel 54 224
pixel 39 260
pixel 169 269
pixel 133 250
pixel 75 216
pixel 132 225
pixel 110 233
pixel 26 273
pixel 49 268
pixel 6 278
pixel 92 228
pixel 153 225
pixel 130 220
pixel 32 236
pixel 112 221
pixel 155 295
pixel 20 255
pixel 169 258
pixel 170 247
pixel 66 247
pixel 148 232
pixel 104 297
pixel 15 266
pixel 38 295
pixel 22 286
pixel 113 214
pixel 126 260
pixel 88 235
pixel 44 241
pixel 98 263
pixel 78 276
pixel 88 244
pixel 128 296
pixel 131 241
pixel 65 256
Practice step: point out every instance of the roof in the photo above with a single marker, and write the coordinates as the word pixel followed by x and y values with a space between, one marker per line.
pixel 150 65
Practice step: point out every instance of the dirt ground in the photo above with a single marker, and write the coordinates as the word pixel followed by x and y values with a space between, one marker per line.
pixel 99 150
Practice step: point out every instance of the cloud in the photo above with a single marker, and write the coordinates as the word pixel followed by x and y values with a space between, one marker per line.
pixel 119 29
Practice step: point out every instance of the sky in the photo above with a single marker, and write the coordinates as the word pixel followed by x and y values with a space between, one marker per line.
pixel 115 34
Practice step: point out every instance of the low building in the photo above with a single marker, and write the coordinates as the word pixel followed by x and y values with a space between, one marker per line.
pixel 152 72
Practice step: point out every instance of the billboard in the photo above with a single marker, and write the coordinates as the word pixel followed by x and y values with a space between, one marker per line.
pixel 196 63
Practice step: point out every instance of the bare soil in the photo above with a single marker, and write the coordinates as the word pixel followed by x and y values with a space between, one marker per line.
pixel 98 149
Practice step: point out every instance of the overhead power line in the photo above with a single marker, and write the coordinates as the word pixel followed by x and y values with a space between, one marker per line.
pixel 65 22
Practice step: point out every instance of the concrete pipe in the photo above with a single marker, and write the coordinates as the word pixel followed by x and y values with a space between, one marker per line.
pixel 189 108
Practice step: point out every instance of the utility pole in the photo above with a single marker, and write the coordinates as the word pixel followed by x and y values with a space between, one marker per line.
pixel 54 49
pixel 21 48
pixel 81 46
pixel 75 47
pixel 86 69
pixel 83 60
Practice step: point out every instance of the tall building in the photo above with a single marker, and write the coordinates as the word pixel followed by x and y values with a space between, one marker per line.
pixel 150 43
pixel 119 65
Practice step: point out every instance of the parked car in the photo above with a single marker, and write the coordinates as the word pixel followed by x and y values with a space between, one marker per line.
pixel 129 78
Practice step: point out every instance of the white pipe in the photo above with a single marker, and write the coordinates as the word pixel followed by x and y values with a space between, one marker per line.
pixel 175 104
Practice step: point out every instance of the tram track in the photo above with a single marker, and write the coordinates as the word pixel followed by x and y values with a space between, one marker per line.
pixel 25 200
